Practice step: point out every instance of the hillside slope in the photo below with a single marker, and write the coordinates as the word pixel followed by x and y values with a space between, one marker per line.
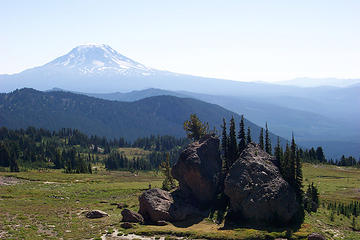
pixel 155 115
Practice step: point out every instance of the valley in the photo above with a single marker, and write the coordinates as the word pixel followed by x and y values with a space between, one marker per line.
pixel 40 202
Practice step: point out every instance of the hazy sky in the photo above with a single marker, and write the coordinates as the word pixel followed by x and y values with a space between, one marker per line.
pixel 240 40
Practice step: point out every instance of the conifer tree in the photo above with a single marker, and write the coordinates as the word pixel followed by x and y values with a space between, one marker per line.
pixel 248 136
pixel 268 148
pixel 279 155
pixel 298 178
pixel 168 182
pixel 261 139
pixel 224 142
pixel 320 155
pixel 241 135
pixel 232 146
pixel 292 165
pixel 286 164
pixel 194 128
pixel 14 167
pixel 4 156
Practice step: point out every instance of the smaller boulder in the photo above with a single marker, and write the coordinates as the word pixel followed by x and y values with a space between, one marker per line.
pixel 127 225
pixel 96 214
pixel 316 236
pixel 131 216
pixel 155 204
pixel 159 205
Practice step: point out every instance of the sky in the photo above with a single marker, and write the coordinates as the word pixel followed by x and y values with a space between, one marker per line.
pixel 238 40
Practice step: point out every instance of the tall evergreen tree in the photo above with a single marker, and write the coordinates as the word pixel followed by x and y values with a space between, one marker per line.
pixel 248 136
pixel 232 146
pixel 279 155
pixel 241 135
pixel 320 155
pixel 14 167
pixel 4 156
pixel 286 165
pixel 268 148
pixel 292 159
pixel 224 142
pixel 298 178
pixel 261 139
pixel 169 182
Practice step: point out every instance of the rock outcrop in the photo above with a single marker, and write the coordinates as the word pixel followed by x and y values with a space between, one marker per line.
pixel 157 206
pixel 198 168
pixel 131 216
pixel 256 189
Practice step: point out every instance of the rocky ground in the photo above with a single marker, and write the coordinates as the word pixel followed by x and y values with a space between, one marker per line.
pixel 6 181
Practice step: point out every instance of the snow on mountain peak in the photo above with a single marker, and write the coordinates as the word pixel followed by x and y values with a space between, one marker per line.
pixel 99 58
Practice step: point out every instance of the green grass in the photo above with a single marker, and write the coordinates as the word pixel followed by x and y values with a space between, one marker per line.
pixel 49 205
pixel 335 183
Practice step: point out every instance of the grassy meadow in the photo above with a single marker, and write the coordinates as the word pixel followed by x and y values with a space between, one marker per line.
pixel 49 204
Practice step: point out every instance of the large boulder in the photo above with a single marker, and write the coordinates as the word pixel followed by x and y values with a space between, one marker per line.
pixel 131 216
pixel 198 168
pixel 257 191
pixel 157 205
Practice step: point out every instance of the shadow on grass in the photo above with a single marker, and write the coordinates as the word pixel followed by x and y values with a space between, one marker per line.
pixel 269 227
pixel 188 222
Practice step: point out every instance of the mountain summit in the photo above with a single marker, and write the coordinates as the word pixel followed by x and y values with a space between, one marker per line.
pixel 98 59
pixel 89 68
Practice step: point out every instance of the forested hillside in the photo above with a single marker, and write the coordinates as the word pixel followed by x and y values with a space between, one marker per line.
pixel 161 115
pixel 75 152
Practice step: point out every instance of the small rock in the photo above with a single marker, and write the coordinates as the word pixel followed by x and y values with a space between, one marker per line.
pixel 316 236
pixel 127 225
pixel 131 216
pixel 161 223
pixel 96 214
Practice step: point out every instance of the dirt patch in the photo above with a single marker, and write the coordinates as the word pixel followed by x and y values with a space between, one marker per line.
pixel 5 181
pixel 120 236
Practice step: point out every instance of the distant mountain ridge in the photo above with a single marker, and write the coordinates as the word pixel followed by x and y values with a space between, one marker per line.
pixel 310 128
pixel 318 82
pixel 162 115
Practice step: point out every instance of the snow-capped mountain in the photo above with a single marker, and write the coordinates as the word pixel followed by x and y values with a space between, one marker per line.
pixel 92 68
pixel 98 59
